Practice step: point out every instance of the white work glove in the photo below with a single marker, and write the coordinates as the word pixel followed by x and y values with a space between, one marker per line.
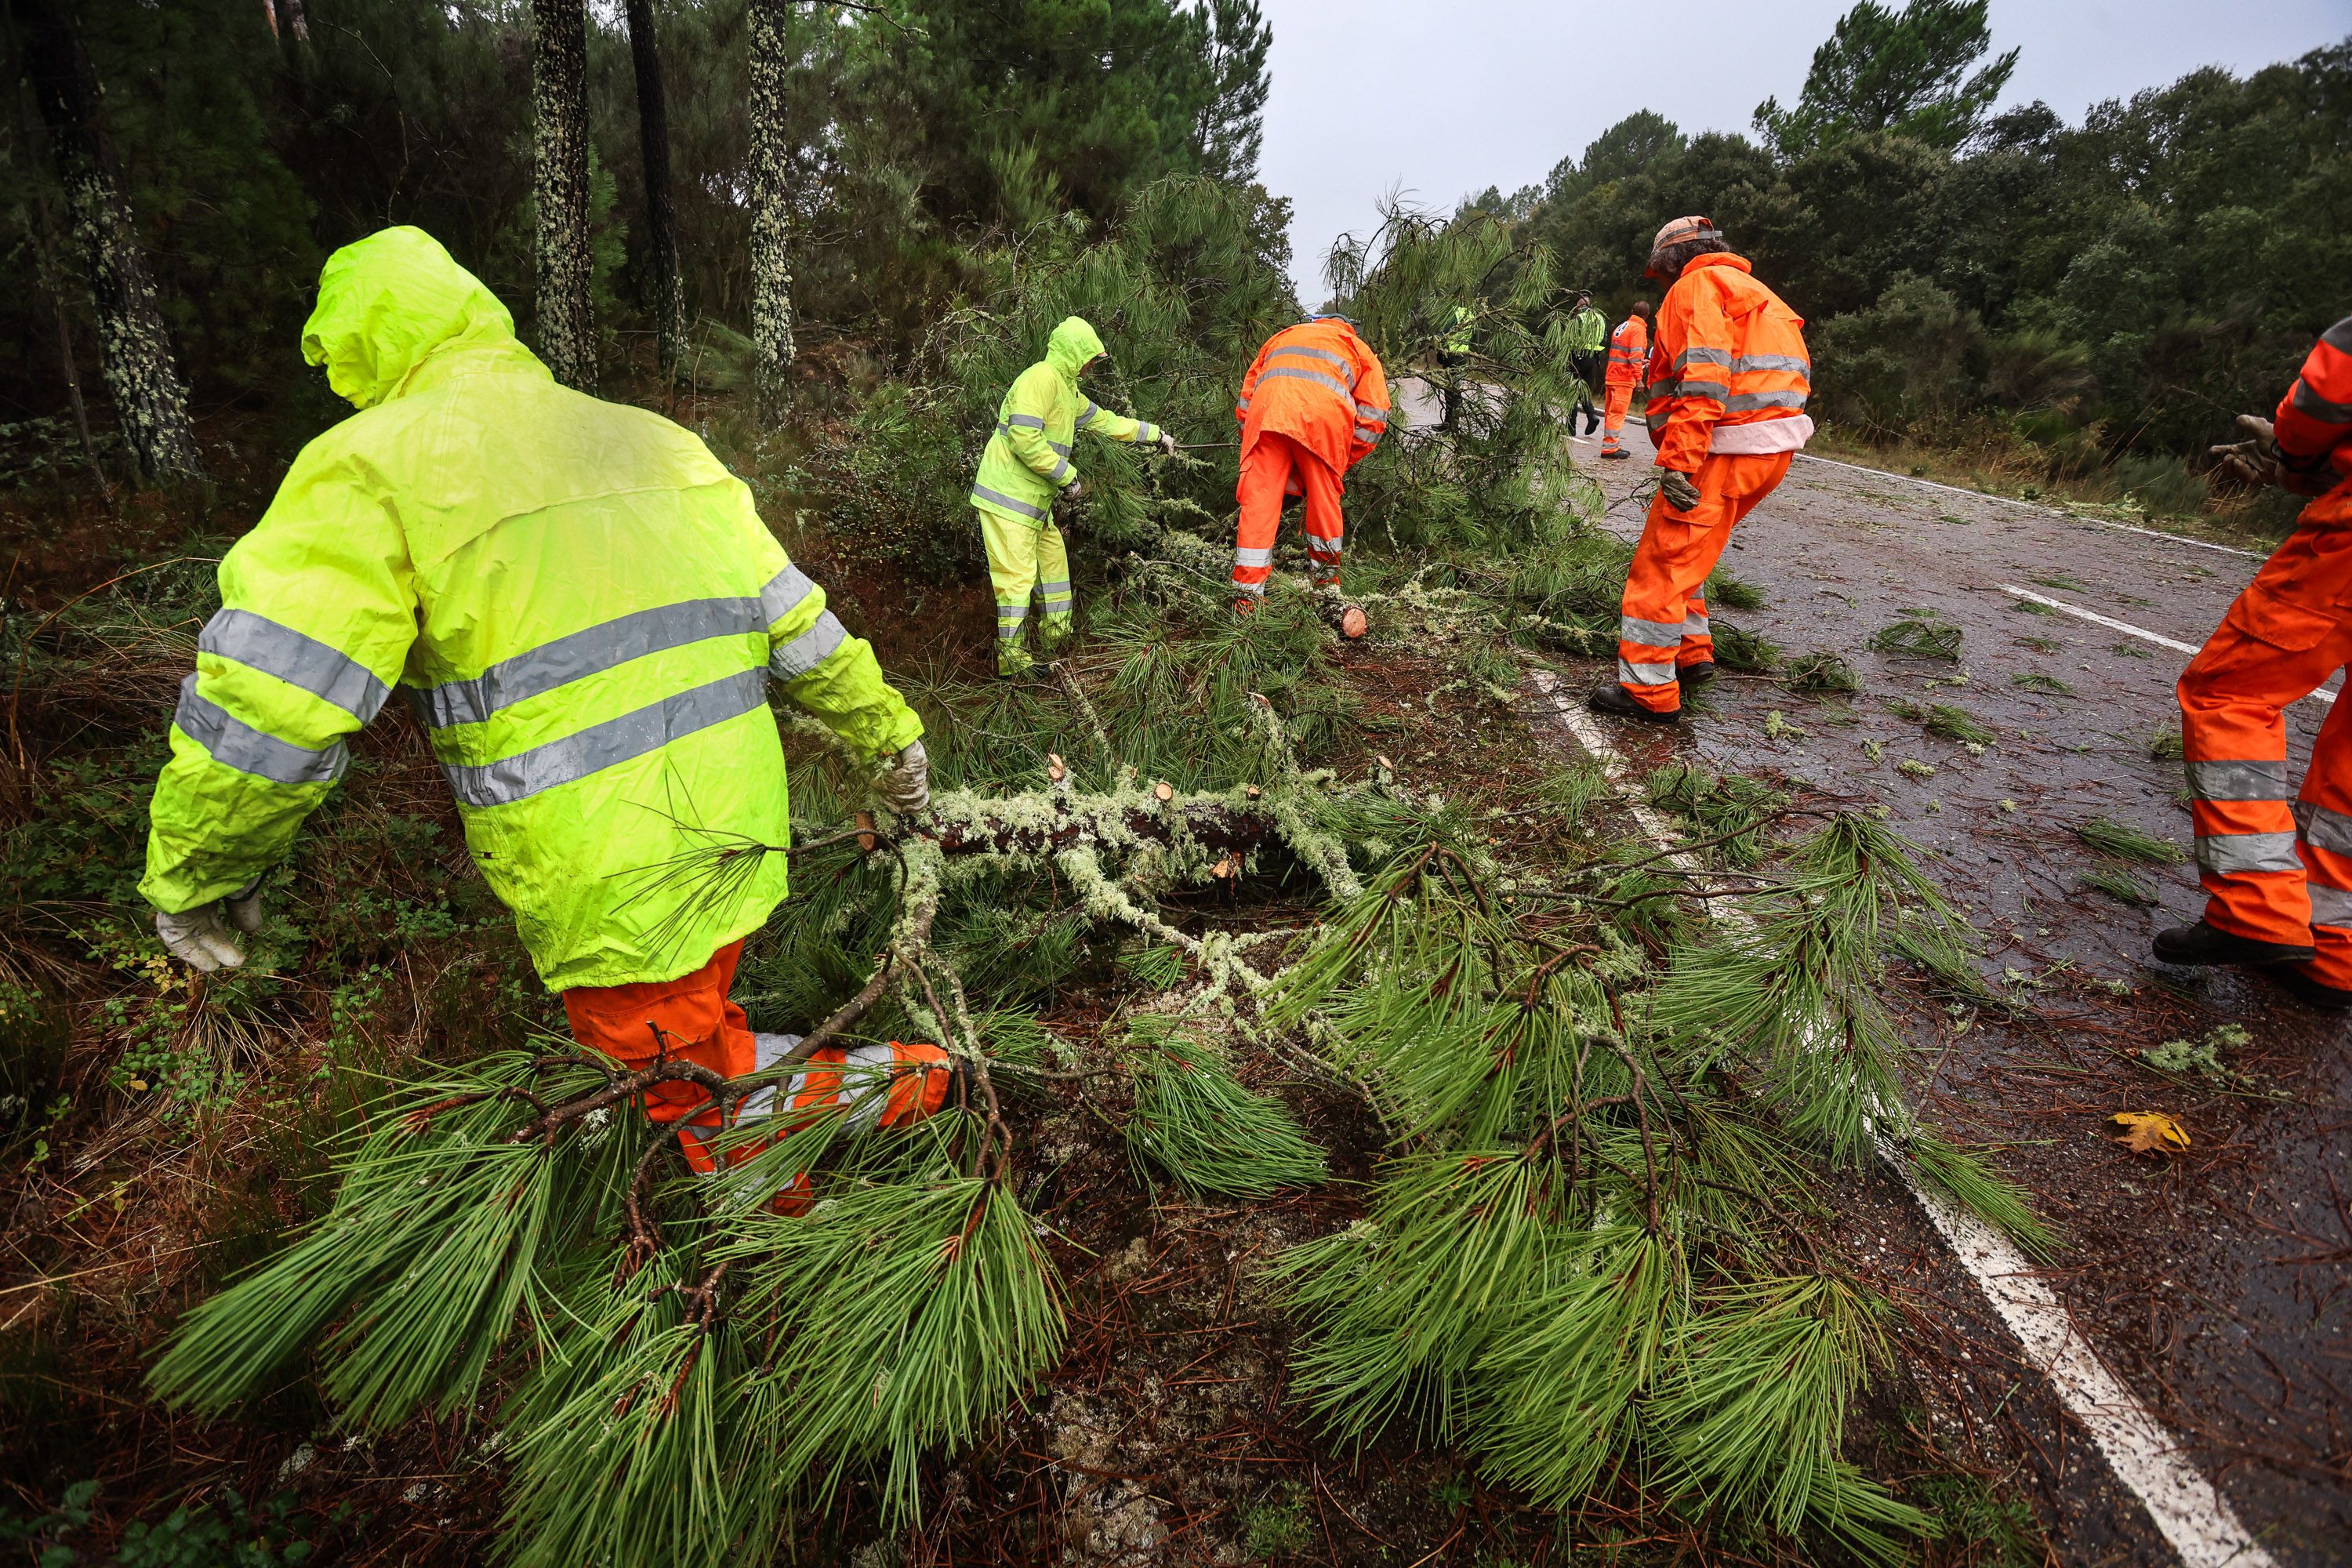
pixel 205 936
pixel 905 786
pixel 1676 487
pixel 1066 501
pixel 1168 443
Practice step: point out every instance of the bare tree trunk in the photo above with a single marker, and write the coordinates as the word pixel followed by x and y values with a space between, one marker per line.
pixel 135 352
pixel 559 90
pixel 771 282
pixel 661 223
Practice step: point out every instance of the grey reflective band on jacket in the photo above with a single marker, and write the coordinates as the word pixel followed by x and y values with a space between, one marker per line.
pixel 2306 400
pixel 1316 376
pixel 782 595
pixel 1794 365
pixel 812 648
pixel 1061 471
pixel 1146 432
pixel 2329 830
pixel 2330 906
pixel 1747 401
pixel 2226 854
pixel 2339 336
pixel 1650 634
pixel 1713 391
pixel 1087 414
pixel 1304 353
pixel 1700 355
pixel 1368 438
pixel 606 646
pixel 1631 674
pixel 1026 421
pixel 2263 779
pixel 1253 557
pixel 1059 449
pixel 1368 415
pixel 233 744
pixel 994 498
pixel 591 751
pixel 299 660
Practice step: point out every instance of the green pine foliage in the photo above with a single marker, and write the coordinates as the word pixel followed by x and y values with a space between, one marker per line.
pixel 1196 1121
pixel 2122 841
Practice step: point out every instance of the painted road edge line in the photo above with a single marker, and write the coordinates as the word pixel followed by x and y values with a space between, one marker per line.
pixel 2033 506
pixel 2193 1516
pixel 2080 614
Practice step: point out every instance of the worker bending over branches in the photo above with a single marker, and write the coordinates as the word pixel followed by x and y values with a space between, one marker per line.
pixel 1314 404
pixel 1629 351
pixel 1728 374
pixel 1026 482
pixel 586 611
pixel 2276 865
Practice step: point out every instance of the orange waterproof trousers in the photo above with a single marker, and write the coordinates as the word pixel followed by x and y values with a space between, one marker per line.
pixel 1276 466
pixel 1662 623
pixel 690 1019
pixel 2276 866
pixel 1614 403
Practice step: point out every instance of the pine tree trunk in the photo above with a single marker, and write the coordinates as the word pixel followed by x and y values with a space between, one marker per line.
pixel 661 224
pixel 559 90
pixel 135 352
pixel 771 283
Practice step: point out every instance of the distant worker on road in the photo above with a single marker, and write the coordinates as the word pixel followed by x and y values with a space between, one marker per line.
pixel 1026 482
pixel 1453 358
pixel 1628 352
pixel 1727 379
pixel 1314 404
pixel 586 610
pixel 2277 865
pixel 1587 340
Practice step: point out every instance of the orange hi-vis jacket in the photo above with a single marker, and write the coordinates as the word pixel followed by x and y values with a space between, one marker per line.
pixel 2314 422
pixel 1629 349
pixel 1319 384
pixel 1728 371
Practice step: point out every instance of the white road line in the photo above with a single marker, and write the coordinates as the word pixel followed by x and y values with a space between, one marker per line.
pixel 2193 1516
pixel 2032 506
pixel 2080 614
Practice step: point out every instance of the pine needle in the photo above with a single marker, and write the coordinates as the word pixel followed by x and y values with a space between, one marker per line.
pixel 1956 723
pixel 1916 637
pixel 1194 1120
pixel 2124 842
pixel 1821 671
pixel 1992 1198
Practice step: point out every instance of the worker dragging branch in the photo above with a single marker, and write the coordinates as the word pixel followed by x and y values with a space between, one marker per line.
pixel 1314 404
pixel 1027 483
pixel 586 611
pixel 1628 352
pixel 2276 863
pixel 1728 375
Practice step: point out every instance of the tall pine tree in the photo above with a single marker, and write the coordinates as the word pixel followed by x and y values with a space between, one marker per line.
pixel 566 255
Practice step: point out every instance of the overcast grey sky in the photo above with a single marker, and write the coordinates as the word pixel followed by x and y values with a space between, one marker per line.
pixel 1445 98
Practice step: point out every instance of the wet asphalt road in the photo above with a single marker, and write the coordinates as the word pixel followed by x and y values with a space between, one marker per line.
pixel 2217 1284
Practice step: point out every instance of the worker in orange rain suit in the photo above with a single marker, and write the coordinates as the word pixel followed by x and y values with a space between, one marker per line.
pixel 1629 353
pixel 587 612
pixel 1314 404
pixel 2278 876
pixel 1727 379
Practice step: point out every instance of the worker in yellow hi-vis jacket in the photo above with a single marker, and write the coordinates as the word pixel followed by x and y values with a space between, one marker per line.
pixel 1026 480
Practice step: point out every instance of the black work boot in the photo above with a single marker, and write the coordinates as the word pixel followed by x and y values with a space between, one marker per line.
pixel 1613 699
pixel 2206 943
pixel 2295 980
pixel 1697 674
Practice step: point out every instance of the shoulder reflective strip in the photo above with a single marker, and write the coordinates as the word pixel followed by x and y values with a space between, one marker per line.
pixel 2339 336
pixel 295 658
pixel 1631 674
pixel 809 649
pixel 2318 407
pixel 1026 421
pixel 1795 364
pixel 996 498
pixel 2328 830
pixel 1316 376
pixel 1745 402
pixel 1303 352
pixel 1253 557
pixel 786 589
pixel 2231 854
pixel 615 741
pixel 1371 416
pixel 1650 634
pixel 1702 356
pixel 2239 780
pixel 590 651
pixel 237 744
pixel 2330 906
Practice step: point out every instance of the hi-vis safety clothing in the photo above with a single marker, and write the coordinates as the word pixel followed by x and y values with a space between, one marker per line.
pixel 1728 371
pixel 1458 343
pixel 1315 395
pixel 2276 863
pixel 1025 464
pixel 579 600
pixel 1662 626
pixel 1588 331
pixel 1628 352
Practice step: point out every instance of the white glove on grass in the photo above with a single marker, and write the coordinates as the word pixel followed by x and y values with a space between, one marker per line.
pixel 905 786
pixel 206 937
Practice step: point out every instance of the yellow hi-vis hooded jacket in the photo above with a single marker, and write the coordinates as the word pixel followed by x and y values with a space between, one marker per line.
pixel 580 601
pixel 1028 458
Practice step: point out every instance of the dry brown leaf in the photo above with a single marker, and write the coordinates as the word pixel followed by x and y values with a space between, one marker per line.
pixel 2150 1132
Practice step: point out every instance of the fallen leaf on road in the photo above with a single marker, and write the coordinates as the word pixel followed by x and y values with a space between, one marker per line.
pixel 2150 1132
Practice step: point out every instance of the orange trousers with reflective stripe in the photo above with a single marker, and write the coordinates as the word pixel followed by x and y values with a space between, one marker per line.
pixel 1661 622
pixel 1276 467
pixel 2272 869
pixel 690 1019
pixel 1616 400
